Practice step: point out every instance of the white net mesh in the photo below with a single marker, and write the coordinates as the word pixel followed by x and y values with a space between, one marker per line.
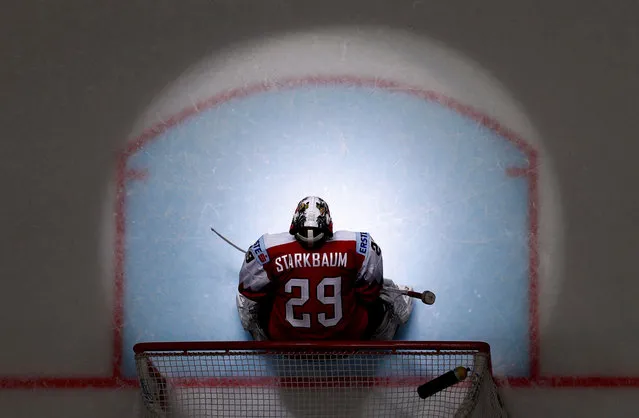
pixel 332 380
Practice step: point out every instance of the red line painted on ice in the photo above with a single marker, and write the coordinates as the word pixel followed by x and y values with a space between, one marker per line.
pixel 533 265
pixel 290 83
pixel 118 282
pixel 517 172
pixel 136 174
pixel 533 262
pixel 67 383
pixel 570 382
pixel 64 383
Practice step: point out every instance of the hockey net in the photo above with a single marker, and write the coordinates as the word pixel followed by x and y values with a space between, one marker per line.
pixel 313 379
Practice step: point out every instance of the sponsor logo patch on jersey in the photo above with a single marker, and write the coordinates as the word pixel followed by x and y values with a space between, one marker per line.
pixel 259 250
pixel 361 242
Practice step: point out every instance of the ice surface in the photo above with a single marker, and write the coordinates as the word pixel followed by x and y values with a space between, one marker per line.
pixel 75 85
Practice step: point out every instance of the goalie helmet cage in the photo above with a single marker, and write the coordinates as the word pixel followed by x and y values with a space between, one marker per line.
pixel 313 379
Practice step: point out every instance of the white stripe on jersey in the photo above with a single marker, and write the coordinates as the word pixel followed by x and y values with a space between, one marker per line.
pixel 344 236
pixel 253 277
pixel 372 269
pixel 273 240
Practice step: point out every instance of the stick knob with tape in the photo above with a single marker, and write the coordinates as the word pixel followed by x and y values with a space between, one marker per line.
pixel 442 382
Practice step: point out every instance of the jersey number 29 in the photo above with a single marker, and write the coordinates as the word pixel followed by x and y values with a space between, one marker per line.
pixel 322 318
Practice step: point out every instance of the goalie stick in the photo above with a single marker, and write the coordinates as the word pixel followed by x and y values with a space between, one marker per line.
pixel 427 297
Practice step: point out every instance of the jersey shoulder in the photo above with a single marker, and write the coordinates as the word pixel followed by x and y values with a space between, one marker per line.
pixel 344 236
pixel 275 240
pixel 266 244
pixel 362 241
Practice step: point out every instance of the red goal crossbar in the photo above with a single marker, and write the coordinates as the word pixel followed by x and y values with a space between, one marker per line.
pixel 323 345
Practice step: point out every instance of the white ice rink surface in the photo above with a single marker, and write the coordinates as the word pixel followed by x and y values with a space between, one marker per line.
pixel 78 80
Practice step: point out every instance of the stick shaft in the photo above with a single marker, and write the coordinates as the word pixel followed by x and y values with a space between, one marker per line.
pixel 413 294
pixel 228 241
pixel 410 293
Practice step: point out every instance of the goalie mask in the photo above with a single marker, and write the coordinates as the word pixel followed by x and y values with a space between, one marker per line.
pixel 312 223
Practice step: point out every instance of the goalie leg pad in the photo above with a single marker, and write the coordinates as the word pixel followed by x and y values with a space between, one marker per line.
pixel 248 311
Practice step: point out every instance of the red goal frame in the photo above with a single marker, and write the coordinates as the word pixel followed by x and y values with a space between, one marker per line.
pixel 336 347
pixel 210 375
pixel 302 351
pixel 320 345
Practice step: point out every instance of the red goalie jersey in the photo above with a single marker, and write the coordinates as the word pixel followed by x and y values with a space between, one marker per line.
pixel 318 293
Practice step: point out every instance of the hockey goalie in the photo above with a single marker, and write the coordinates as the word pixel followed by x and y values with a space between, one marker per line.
pixel 315 284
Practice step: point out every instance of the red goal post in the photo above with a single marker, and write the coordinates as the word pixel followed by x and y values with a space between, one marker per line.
pixel 316 379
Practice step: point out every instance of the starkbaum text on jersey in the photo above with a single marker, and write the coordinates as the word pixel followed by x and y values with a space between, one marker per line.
pixel 290 261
